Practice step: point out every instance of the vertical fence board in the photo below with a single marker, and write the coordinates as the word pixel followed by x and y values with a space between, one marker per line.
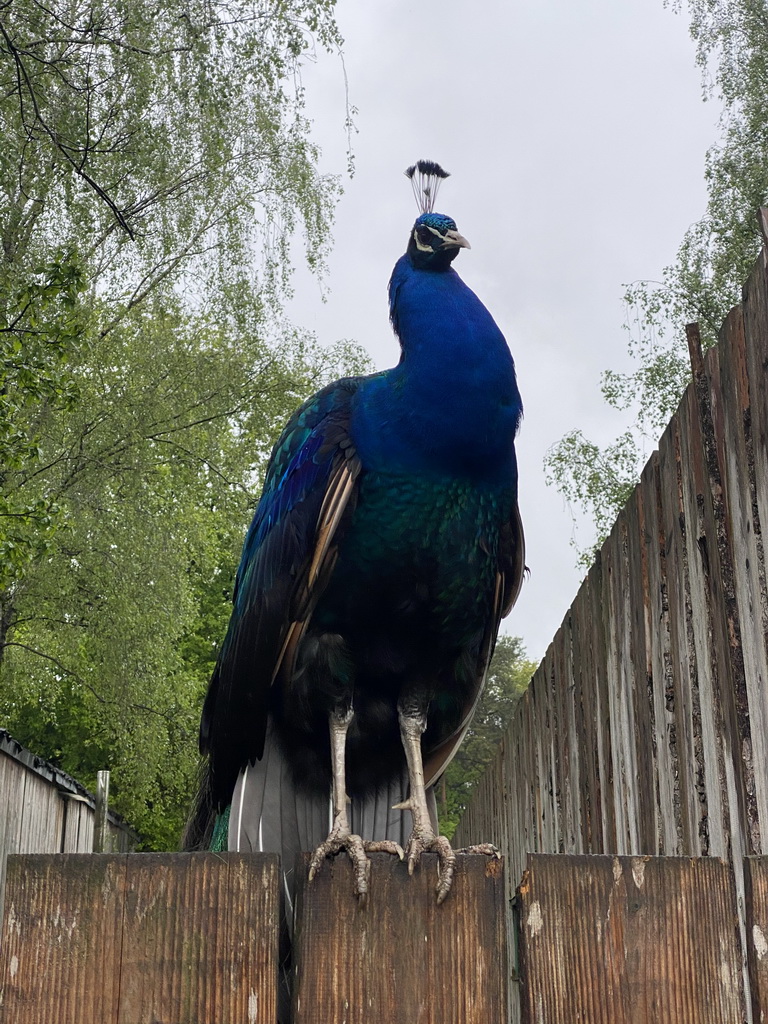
pixel 693 794
pixel 661 677
pixel 78 827
pixel 11 783
pixel 587 712
pixel 556 695
pixel 140 938
pixel 629 940
pixel 756 877
pixel 727 654
pixel 604 737
pixel 199 938
pixel 572 747
pixel 42 817
pixel 646 781
pixel 402 957
pixel 62 940
pixel 701 558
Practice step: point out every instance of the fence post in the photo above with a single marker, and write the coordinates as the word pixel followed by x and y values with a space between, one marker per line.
pixel 401 957
pixel 100 822
pixel 140 937
pixel 629 940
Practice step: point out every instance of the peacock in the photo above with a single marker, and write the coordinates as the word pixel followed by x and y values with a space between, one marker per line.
pixel 385 549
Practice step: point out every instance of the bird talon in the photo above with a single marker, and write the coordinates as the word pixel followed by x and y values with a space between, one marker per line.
pixel 384 846
pixel 357 850
pixel 426 842
pixel 362 877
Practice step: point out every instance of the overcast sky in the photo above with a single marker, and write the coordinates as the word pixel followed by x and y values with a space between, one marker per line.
pixel 575 136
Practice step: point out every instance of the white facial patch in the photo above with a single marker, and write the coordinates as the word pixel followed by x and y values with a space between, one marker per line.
pixel 420 245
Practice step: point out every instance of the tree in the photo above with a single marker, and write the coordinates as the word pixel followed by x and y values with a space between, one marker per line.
pixel 508 677
pixel 705 280
pixel 42 326
pixel 156 165
pixel 143 147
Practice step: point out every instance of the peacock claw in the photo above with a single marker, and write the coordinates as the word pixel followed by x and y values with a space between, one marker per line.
pixel 425 841
pixel 357 848
pixel 488 849
pixel 384 846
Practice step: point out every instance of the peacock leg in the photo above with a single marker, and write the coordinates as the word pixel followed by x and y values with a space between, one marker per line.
pixel 412 714
pixel 341 837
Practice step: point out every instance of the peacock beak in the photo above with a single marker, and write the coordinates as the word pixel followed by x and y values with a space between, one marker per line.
pixel 453 238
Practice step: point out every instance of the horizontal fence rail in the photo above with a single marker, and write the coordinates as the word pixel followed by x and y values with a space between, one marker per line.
pixel 183 938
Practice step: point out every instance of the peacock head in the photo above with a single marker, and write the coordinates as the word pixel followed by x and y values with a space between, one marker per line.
pixel 434 241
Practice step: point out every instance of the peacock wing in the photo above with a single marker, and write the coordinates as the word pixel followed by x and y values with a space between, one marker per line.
pixel 288 553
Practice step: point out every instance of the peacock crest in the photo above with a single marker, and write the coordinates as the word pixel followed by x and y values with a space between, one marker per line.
pixel 425 177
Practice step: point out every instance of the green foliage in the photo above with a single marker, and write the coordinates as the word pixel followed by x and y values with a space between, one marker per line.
pixel 156 166
pixel 508 677
pixel 144 147
pixel 179 125
pixel 714 259
pixel 42 323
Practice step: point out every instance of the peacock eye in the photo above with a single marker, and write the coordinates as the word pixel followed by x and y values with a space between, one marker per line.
pixel 425 236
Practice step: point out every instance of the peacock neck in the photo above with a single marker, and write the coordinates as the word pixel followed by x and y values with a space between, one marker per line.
pixel 451 406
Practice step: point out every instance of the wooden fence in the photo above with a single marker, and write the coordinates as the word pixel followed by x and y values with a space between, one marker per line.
pixel 643 735
pixel 193 939
pixel 44 810
pixel 645 728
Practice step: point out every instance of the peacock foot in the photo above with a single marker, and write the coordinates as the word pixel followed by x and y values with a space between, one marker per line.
pixel 426 841
pixel 342 839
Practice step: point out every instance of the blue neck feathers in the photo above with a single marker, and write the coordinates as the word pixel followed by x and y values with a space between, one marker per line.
pixel 451 406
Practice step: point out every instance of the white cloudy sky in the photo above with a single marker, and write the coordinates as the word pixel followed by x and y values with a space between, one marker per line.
pixel 575 136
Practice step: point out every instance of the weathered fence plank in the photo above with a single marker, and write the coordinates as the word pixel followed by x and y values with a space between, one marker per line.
pixel 629 940
pixel 62 939
pixel 199 938
pixel 401 957
pixel 140 938
pixel 756 877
